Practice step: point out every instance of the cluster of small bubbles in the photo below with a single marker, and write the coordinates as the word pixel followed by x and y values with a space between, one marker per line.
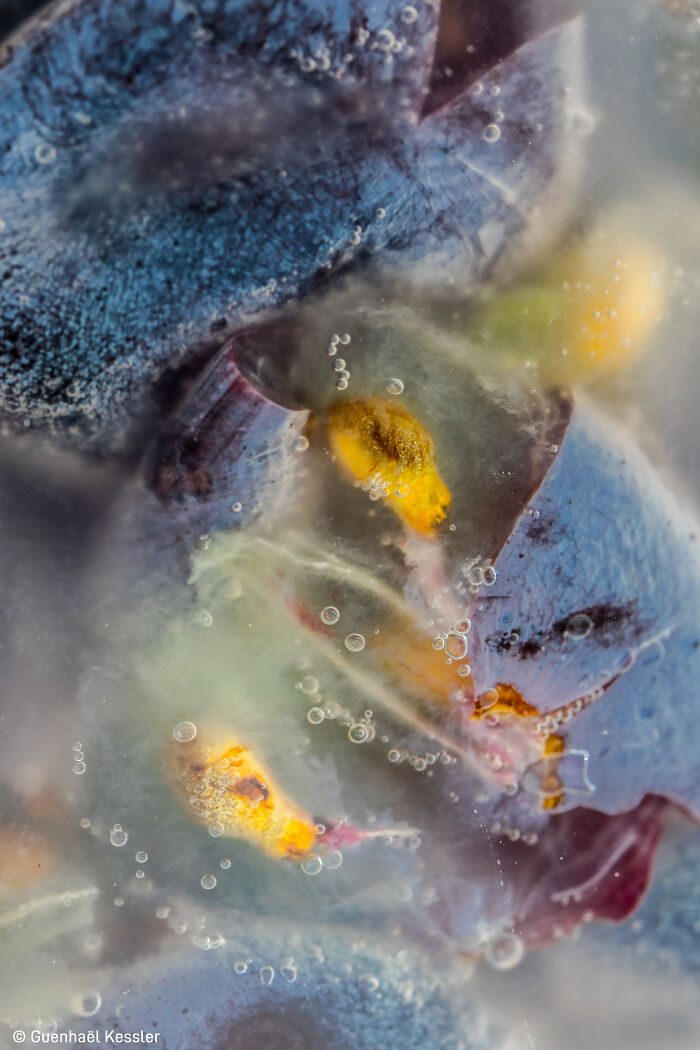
pixel 184 732
pixel 216 829
pixel 162 912
pixel 236 508
pixel 354 643
pixel 504 951
pixel 578 625
pixel 312 865
pixel 141 856
pixel 289 971
pixel 492 133
pixel 401 490
pixel 240 966
pixel 309 685
pixel 78 756
pixel 315 716
pixel 45 153
pixel 89 1003
pixel 205 618
pixel 225 863
pixel 332 709
pixel 208 882
pixel 117 836
pixel 360 733
pixel 330 615
pixel 395 386
pixel 302 443
pixel 332 345
pixel 475 576
pixel 409 15
pixel 368 982
pixel 332 859
pixel 85 822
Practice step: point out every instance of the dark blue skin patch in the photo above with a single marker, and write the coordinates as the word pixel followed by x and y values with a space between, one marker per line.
pixel 295 992
pixel 166 176
pixel 597 590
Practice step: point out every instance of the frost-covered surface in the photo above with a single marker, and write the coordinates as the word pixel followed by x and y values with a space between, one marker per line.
pixel 471 737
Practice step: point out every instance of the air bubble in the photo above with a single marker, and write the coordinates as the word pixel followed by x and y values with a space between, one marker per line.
pixel 456 645
pixel 289 972
pixel 339 364
pixel 332 859
pixel 464 670
pixel 301 444
pixel 216 829
pixel 205 618
pixel 395 386
pixel 341 383
pixel 438 643
pixel 345 338
pixel 309 685
pixel 505 951
pixel 358 733
pixel 141 857
pixel 78 768
pixel 330 615
pixel 85 822
pixel 236 508
pixel 267 974
pixel 184 732
pixel 140 874
pixel 312 865
pixel 394 755
pixel 315 716
pixel 162 913
pixel 225 864
pixel 401 490
pixel 355 643
pixel 490 576
pixel 492 133
pixel 578 625
pixel 368 982
pixel 240 966
pixel 89 1003
pixel 409 15
pixel 45 153
pixel 208 882
pixel 117 836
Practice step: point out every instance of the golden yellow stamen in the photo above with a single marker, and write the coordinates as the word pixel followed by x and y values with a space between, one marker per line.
pixel 378 443
pixel 222 782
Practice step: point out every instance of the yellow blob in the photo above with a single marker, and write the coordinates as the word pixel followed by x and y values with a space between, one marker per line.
pixel 592 312
pixel 614 297
pixel 378 443
pixel 221 781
